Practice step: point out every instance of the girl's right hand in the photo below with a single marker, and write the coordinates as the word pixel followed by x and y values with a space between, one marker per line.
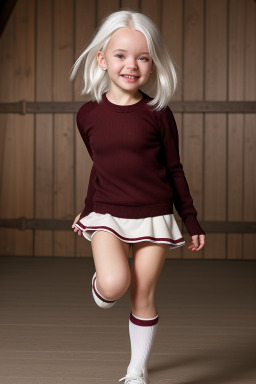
pixel 75 228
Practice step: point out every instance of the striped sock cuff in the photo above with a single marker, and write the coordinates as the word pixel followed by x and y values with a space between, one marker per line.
pixel 144 322
pixel 97 293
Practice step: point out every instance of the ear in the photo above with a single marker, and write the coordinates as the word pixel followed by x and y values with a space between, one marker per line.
pixel 101 60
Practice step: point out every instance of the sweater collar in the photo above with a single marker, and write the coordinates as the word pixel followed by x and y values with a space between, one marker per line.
pixel 123 108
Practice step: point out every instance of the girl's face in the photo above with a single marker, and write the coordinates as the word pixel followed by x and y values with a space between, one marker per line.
pixel 126 54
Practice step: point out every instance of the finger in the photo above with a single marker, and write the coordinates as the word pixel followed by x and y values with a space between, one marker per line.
pixel 191 245
pixel 200 247
pixel 196 246
pixel 196 242
pixel 202 242
pixel 79 232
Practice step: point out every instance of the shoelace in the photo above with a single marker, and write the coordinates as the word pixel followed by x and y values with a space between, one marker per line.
pixel 129 379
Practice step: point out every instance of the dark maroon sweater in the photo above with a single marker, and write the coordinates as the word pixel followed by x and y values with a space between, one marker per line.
pixel 136 170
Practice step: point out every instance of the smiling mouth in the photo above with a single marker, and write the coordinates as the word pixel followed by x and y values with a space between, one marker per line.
pixel 130 76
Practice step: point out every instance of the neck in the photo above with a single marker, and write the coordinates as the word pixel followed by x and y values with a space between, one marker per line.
pixel 123 98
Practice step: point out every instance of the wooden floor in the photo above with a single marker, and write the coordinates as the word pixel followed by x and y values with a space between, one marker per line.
pixel 52 332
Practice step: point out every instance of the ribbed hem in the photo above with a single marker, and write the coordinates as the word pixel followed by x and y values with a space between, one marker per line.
pixel 192 225
pixel 134 212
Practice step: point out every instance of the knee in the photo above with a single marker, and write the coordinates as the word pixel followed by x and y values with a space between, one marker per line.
pixel 142 298
pixel 114 286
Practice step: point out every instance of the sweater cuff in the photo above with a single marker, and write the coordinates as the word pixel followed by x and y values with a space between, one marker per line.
pixel 192 225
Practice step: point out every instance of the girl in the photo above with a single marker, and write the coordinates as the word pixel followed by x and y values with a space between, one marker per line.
pixel 136 175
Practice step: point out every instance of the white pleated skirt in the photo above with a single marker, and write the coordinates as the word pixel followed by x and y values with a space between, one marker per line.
pixel 158 229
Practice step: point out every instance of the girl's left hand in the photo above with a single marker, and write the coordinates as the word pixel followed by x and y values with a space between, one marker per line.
pixel 197 242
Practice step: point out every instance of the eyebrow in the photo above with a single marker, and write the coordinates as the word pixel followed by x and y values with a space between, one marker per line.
pixel 123 50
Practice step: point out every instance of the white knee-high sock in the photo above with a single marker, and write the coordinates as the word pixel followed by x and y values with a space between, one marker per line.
pixel 142 334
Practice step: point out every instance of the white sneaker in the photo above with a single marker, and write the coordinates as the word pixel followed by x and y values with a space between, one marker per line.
pixel 99 299
pixel 135 376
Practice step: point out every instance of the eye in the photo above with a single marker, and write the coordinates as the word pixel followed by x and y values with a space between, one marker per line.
pixel 119 55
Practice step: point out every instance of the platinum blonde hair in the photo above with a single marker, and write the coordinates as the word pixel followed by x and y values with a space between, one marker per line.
pixel 163 80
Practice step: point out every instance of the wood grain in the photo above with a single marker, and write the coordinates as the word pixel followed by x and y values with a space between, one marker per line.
pixel 63 125
pixel 215 88
pixel 193 123
pixel 17 132
pixel 249 128
pixel 44 126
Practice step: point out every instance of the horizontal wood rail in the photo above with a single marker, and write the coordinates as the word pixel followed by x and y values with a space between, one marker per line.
pixel 24 107
pixel 58 224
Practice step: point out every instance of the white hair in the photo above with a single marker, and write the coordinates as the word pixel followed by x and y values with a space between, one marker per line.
pixel 163 80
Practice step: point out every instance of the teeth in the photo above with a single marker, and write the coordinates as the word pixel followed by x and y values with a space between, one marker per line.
pixel 130 77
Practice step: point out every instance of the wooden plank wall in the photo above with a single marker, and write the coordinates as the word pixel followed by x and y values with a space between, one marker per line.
pixel 44 166
pixel 17 63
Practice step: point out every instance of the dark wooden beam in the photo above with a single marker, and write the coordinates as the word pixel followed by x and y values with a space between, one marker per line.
pixel 23 107
pixel 57 224
pixel 6 7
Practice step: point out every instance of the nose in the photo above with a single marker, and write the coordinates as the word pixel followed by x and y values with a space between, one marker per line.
pixel 131 64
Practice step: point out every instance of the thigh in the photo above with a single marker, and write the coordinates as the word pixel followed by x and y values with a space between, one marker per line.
pixel 110 256
pixel 148 261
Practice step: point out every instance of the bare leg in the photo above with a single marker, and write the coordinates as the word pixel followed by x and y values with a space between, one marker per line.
pixel 111 263
pixel 148 261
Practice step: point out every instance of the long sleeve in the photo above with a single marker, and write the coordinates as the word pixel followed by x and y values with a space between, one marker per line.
pixel 93 175
pixel 80 121
pixel 183 201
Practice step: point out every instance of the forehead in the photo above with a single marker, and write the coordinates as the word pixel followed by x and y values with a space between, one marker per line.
pixel 125 38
